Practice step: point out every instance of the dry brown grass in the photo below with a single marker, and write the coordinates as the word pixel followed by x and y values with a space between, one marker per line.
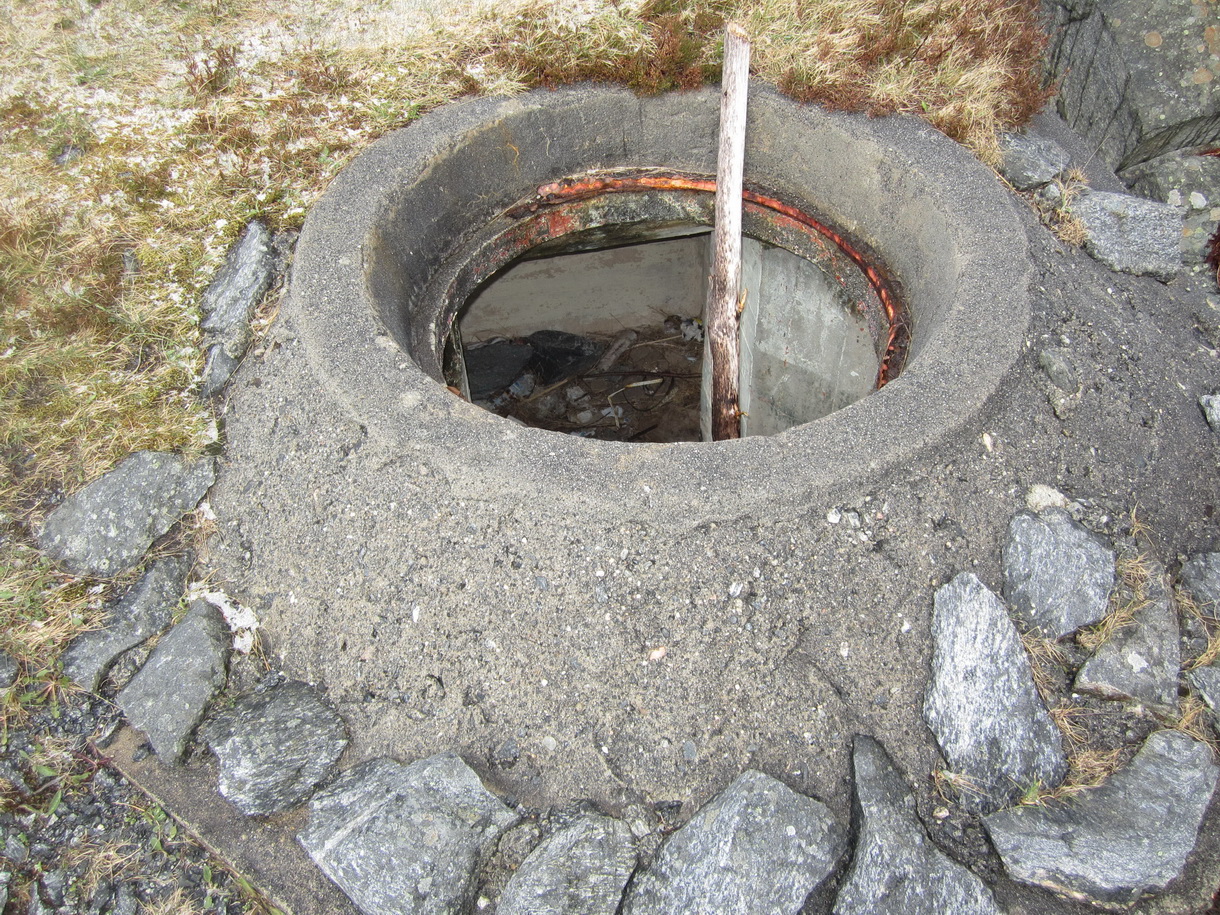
pixel 1135 575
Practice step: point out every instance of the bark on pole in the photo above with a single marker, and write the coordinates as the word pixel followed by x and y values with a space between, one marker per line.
pixel 720 315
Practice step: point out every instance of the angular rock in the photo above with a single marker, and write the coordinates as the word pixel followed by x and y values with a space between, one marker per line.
pixel 218 368
pixel 1141 661
pixel 1057 575
pixel 1206 680
pixel 1201 576
pixel 400 840
pixel 982 706
pixel 1030 162
pixel 1211 410
pixel 105 528
pixel 1059 369
pixel 275 746
pixel 579 870
pixel 1135 79
pixel 8 671
pixel 141 613
pixel 757 847
pixel 240 283
pixel 1115 843
pixel 1188 181
pixel 896 870
pixel 1131 234
pixel 167 698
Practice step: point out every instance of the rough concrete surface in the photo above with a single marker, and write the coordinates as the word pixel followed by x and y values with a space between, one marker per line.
pixel 443 606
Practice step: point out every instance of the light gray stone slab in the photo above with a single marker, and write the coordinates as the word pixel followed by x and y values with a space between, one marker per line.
pixel 1131 234
pixel 1057 574
pixel 105 528
pixel 275 746
pixel 1140 662
pixel 1030 162
pixel 146 609
pixel 757 847
pixel 982 706
pixel 896 869
pixel 579 870
pixel 1201 576
pixel 241 282
pixel 1115 843
pixel 166 699
pixel 405 839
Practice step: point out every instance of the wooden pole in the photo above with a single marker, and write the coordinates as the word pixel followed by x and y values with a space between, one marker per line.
pixel 720 315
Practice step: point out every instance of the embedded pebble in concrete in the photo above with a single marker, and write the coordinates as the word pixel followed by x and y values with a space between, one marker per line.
pixel 757 847
pixel 1131 234
pixel 1057 364
pixel 105 528
pixel 405 839
pixel 1142 660
pixel 579 870
pixel 895 868
pixel 275 746
pixel 167 698
pixel 1201 576
pixel 1030 162
pixel 1211 410
pixel 982 706
pixel 146 609
pixel 1057 574
pixel 1115 843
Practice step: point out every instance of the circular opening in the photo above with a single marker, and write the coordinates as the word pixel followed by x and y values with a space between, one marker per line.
pixel 579 311
pixel 405 238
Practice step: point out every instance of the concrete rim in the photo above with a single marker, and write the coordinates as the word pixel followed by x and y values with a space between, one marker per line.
pixel 944 223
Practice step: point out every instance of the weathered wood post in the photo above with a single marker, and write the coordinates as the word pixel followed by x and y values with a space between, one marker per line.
pixel 721 419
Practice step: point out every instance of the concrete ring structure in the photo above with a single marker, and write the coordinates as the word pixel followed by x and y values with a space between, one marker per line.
pixel 941 222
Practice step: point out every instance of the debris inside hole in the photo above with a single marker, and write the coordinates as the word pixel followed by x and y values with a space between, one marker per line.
pixel 641 385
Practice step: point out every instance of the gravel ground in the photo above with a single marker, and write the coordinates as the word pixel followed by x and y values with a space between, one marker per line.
pixel 76 837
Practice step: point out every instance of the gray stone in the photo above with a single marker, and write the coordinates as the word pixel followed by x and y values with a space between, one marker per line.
pixel 8 671
pixel 141 613
pixel 1059 369
pixel 105 528
pixel 1188 181
pixel 218 368
pixel 1057 574
pixel 275 746
pixel 167 698
pixel 579 870
pixel 1211 410
pixel 1206 681
pixel 400 840
pixel 1141 661
pixel 1201 576
pixel 1135 79
pixel 1115 843
pixel 1131 234
pixel 1085 58
pixel 240 283
pixel 758 846
pixel 1030 162
pixel 982 706
pixel 896 870
pixel 1172 61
